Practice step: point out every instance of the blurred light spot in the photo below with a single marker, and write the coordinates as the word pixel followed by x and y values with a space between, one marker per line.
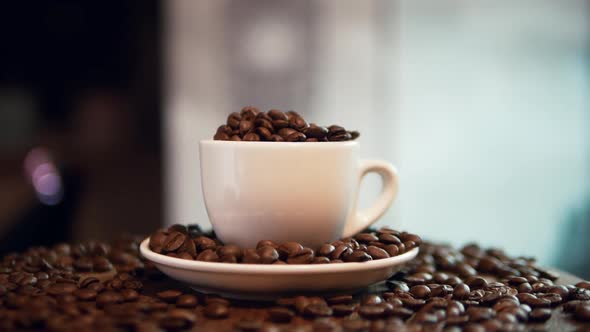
pixel 270 44
pixel 44 176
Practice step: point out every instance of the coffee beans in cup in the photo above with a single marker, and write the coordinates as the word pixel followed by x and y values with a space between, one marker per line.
pixel 250 124
pixel 179 242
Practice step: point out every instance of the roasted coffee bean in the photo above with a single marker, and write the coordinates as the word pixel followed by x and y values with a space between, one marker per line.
pixel 418 278
pixel 102 264
pixel 358 256
pixel 320 260
pixel 317 310
pixel 245 126
pixel 300 302
pixel 401 248
pixel 477 314
pixel 398 286
pixel 85 294
pixel 377 253
pixel 216 310
pixel 335 129
pixel 388 238
pixel 340 310
pixel 129 295
pixel 251 136
pixel 221 136
pixel 184 255
pixel 325 250
pixel 186 301
pixel 109 297
pixel 461 292
pixel 169 295
pixel 208 255
pixel 366 237
pixel 286 132
pixel 412 302
pixel 341 252
pixel 525 297
pixel 554 298
pixel 178 319
pixel 229 250
pixel 355 325
pixel 268 255
pixel 540 315
pixel 264 126
pixel 83 264
pixel 289 249
pixel 560 290
pixel 298 123
pixel 304 256
pixel 539 302
pixel 250 256
pixel 581 294
pixel 371 311
pixel 524 288
pixel 61 288
pixel 340 299
pixel 178 228
pixel 317 132
pixel 371 299
pixel 325 325
pixel 275 114
pixel 571 306
pixel 173 241
pixel 405 237
pixel 476 282
pixel 296 137
pixel 514 280
pixel 266 243
pixel 249 112
pixel 276 138
pixel 582 312
pixel 465 270
pixel 392 250
pixel 402 312
pixel 420 291
pixel 233 120
pixel 280 314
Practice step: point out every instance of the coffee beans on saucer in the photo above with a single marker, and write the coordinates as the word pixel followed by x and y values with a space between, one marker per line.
pixel 250 124
pixel 187 243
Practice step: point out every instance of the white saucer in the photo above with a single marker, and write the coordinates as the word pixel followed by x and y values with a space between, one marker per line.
pixel 257 281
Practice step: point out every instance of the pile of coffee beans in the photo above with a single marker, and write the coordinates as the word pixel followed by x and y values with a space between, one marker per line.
pixel 443 289
pixel 250 124
pixel 191 243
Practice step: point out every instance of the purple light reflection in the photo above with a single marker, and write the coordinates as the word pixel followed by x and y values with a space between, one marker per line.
pixel 44 176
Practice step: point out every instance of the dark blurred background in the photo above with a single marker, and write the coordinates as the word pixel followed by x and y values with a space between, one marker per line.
pixel 80 108
pixel 483 106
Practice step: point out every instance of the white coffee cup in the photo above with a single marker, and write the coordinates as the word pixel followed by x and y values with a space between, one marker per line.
pixel 303 192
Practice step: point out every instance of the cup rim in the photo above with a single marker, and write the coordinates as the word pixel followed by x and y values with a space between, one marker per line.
pixel 219 142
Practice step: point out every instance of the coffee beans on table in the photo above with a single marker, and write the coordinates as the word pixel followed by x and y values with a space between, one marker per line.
pixel 250 124
pixel 176 242
pixel 443 289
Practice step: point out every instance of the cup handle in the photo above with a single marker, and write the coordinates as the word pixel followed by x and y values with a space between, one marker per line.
pixel 360 220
